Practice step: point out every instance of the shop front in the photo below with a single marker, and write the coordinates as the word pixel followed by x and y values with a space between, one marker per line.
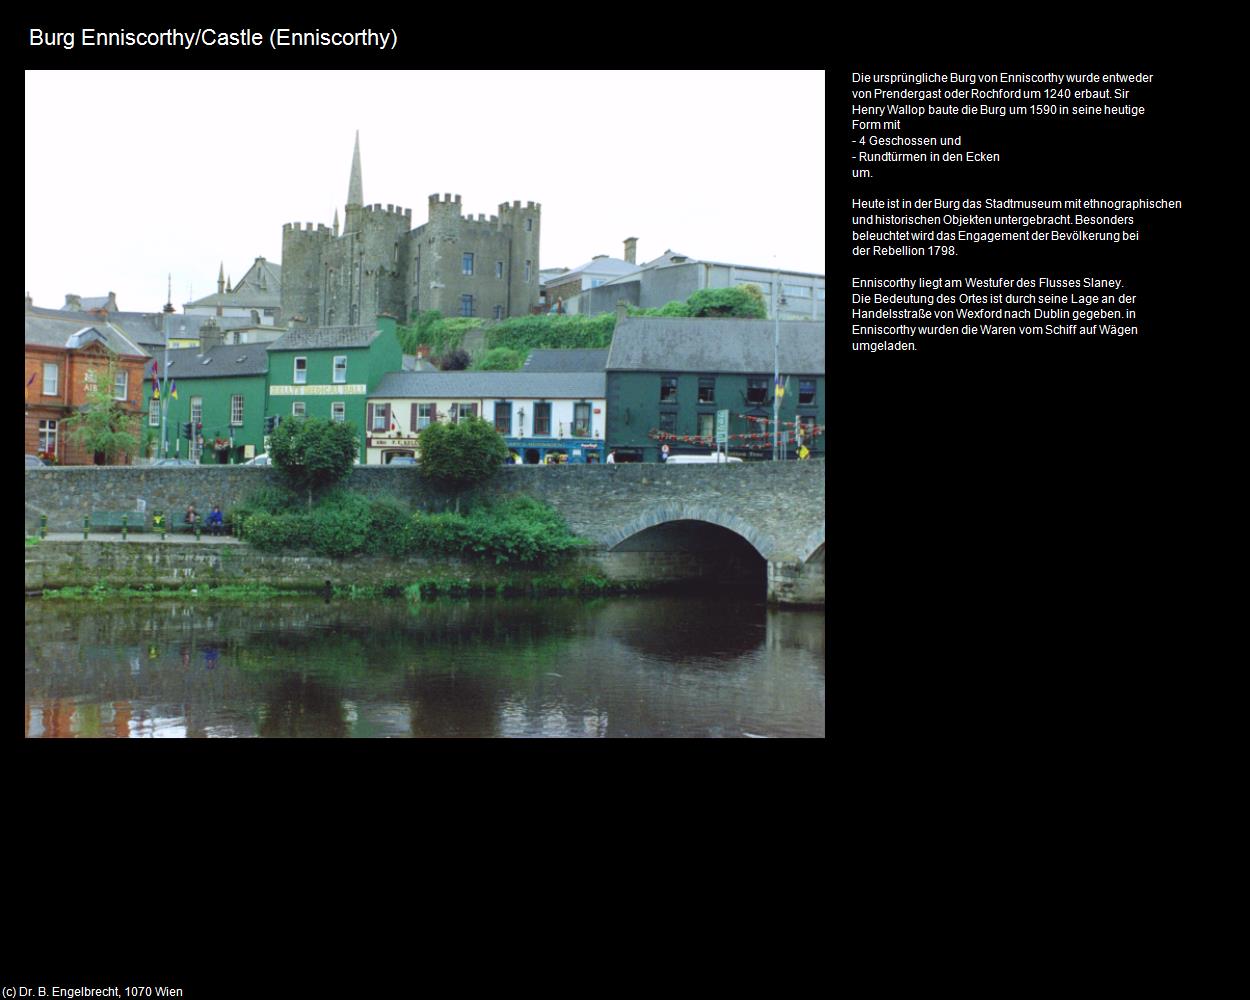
pixel 555 451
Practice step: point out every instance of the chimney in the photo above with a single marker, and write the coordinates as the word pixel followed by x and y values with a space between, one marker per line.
pixel 111 304
pixel 73 302
pixel 211 336
pixel 631 249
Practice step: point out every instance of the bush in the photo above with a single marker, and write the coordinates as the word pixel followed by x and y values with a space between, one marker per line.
pixel 341 527
pixel 524 333
pixel 314 453
pixel 500 359
pixel 520 530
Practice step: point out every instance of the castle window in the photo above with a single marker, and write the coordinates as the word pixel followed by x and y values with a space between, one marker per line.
pixel 499 269
pixel 466 305
pixel 51 378
pixel 301 371
pixel 529 225
pixel 498 312
pixel 340 369
pixel 236 411
pixel 527 271
pixel 338 412
pixel 467 263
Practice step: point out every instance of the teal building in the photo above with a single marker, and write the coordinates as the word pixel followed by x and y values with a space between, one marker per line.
pixel 668 376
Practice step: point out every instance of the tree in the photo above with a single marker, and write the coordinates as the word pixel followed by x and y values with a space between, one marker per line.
pixel 455 360
pixel 461 455
pixel 314 453
pixel 103 425
pixel 738 301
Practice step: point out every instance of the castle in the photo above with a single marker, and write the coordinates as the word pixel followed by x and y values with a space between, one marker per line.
pixel 456 264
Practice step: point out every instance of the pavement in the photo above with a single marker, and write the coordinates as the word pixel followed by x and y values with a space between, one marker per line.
pixel 144 538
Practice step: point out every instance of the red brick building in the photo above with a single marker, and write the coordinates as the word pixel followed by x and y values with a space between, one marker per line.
pixel 67 355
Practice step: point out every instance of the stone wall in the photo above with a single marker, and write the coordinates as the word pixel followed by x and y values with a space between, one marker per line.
pixel 779 507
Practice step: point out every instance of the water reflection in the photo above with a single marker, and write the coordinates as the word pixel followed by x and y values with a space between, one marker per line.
pixel 643 666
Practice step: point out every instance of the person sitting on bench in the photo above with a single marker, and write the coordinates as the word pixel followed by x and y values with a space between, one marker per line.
pixel 191 516
pixel 214 521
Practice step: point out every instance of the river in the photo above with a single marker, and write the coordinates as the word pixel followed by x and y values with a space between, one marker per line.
pixel 633 666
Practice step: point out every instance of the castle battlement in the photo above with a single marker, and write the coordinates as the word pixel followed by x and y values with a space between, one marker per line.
pixel 391 210
pixel 305 229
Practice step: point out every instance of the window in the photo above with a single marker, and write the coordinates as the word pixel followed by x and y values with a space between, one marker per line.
pixel 596 282
pixel 466 305
pixel 299 409
pixel 340 369
pixel 301 371
pixel 51 379
pixel 807 391
pixel 498 312
pixel 529 225
pixel 338 412
pixel 47 436
pixel 581 420
pixel 120 383
pixel 527 271
pixel 154 413
pixel 236 411
pixel 797 291
pixel 424 413
pixel 381 417
pixel 820 295
pixel 88 379
pixel 197 423
pixel 499 269
pixel 503 418
pixel 707 426
pixel 707 390
pixel 668 421
pixel 542 420
pixel 757 390
pixel 466 263
pixel 668 388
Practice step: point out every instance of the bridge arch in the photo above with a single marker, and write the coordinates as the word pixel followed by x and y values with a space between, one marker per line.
pixel 763 543
pixel 813 545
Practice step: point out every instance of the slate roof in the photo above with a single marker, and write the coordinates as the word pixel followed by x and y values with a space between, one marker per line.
pixel 248 292
pixel 675 344
pixel 568 360
pixel 325 337
pixel 223 361
pixel 54 328
pixel 604 265
pixel 492 385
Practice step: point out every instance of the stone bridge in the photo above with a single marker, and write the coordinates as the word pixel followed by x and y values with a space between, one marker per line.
pixel 778 509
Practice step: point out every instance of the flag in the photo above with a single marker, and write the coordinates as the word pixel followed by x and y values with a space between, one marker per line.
pixel 173 388
pixel 155 368
pixel 781 389
pixel 156 390
pixel 30 380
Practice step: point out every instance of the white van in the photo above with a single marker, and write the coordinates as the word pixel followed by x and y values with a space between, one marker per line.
pixel 700 459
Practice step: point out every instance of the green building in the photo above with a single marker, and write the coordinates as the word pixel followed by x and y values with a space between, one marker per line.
pixel 329 372
pixel 227 390
pixel 667 377
pixel 220 390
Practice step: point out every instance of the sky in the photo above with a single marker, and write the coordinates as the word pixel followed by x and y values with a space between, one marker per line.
pixel 132 176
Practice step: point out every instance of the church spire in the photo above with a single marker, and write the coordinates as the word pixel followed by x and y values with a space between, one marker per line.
pixel 336 221
pixel 169 294
pixel 221 277
pixel 355 196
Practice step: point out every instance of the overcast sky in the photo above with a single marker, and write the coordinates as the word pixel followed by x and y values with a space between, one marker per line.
pixel 133 175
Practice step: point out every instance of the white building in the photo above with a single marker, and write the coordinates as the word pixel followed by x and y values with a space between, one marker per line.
pixel 540 414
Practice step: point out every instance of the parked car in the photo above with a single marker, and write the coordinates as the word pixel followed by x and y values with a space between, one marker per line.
pixel 262 459
pixel 700 459
pixel 402 460
pixel 166 462
pixel 34 462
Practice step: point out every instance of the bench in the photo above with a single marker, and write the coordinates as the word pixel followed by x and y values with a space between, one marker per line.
pixel 177 526
pixel 111 520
